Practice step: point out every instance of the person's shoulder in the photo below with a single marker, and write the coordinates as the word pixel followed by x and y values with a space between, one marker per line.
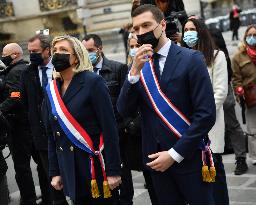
pixel 113 64
pixel 90 77
pixel 188 53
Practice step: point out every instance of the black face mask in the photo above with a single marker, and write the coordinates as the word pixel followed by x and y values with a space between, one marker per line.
pixel 148 38
pixel 7 60
pixel 60 61
pixel 36 58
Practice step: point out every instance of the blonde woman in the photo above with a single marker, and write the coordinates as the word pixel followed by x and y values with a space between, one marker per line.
pixel 83 140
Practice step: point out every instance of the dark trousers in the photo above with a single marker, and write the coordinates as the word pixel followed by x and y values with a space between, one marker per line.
pixel 220 189
pixel 21 147
pixel 4 193
pixel 50 196
pixel 233 130
pixel 235 34
pixel 127 190
pixel 182 189
pixel 98 201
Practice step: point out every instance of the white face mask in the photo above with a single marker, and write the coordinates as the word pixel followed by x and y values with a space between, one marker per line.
pixel 132 52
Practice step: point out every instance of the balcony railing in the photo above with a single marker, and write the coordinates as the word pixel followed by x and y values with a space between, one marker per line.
pixel 6 10
pixel 49 5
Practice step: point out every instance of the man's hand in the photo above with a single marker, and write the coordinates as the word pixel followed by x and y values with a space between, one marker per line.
pixel 162 161
pixel 114 181
pixel 57 183
pixel 142 55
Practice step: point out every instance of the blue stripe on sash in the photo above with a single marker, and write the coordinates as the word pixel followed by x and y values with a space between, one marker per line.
pixel 168 112
pixel 63 126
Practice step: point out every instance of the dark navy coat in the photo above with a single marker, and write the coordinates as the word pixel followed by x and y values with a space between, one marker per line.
pixel 87 99
pixel 185 81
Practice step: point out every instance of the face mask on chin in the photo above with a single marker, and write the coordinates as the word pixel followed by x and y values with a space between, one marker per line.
pixel 149 38
pixel 60 61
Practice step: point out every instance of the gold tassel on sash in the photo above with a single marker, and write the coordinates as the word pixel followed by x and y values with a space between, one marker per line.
pixel 106 190
pixel 95 189
pixel 212 173
pixel 206 174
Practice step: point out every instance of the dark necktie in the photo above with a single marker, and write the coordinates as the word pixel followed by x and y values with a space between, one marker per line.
pixel 156 57
pixel 44 77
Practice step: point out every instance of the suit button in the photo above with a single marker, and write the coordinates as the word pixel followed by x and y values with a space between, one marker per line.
pixel 55 118
pixel 58 134
pixel 61 149
pixel 71 148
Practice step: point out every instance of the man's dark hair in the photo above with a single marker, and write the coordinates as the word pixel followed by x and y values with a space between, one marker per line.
pixel 45 41
pixel 156 12
pixel 95 37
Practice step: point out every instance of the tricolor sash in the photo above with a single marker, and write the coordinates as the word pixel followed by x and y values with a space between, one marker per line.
pixel 78 136
pixel 172 117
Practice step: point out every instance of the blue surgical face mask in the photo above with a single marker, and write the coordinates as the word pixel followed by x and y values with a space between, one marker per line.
pixel 251 40
pixel 190 38
pixel 132 52
pixel 93 57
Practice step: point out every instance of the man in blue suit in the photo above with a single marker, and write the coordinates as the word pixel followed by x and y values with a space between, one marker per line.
pixel 172 148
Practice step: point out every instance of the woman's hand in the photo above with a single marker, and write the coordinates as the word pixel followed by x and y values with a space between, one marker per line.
pixel 57 183
pixel 114 181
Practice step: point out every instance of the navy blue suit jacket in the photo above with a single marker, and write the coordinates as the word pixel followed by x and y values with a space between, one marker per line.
pixel 87 99
pixel 185 81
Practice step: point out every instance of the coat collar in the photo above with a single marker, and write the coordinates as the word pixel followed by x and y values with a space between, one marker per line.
pixel 170 65
pixel 74 87
pixel 106 66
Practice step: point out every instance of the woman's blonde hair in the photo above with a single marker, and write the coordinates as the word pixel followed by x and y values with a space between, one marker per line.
pixel 80 52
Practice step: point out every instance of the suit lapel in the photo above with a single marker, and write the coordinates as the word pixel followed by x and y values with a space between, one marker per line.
pixel 36 81
pixel 170 66
pixel 74 87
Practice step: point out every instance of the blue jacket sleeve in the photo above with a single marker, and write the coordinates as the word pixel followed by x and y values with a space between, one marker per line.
pixel 127 103
pixel 203 118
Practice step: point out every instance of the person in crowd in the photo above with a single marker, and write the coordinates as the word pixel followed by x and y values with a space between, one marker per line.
pixel 234 18
pixel 168 7
pixel 33 82
pixel 244 83
pixel 20 140
pixel 81 128
pixel 196 36
pixel 133 139
pixel 165 83
pixel 114 74
pixel 233 130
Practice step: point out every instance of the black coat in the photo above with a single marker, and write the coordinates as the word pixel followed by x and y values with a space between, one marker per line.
pixel 88 101
pixel 114 74
pixel 11 106
pixel 32 97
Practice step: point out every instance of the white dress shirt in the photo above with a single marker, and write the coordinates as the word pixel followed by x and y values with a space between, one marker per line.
pixel 48 72
pixel 134 79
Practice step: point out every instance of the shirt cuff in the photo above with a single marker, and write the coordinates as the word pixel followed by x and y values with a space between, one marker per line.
pixel 133 79
pixel 175 155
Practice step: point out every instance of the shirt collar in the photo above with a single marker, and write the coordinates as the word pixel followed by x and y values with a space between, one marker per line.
pixel 165 49
pixel 99 64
